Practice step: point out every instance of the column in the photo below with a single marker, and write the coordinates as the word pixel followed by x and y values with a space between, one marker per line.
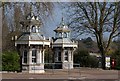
pixel 43 55
pixel 72 55
pixel 62 34
pixel 36 29
pixel 30 56
pixel 40 54
pixel 30 28
pixel 67 35
pixel 69 56
pixel 62 55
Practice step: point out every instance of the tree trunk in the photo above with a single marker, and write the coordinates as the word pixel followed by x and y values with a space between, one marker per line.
pixel 102 57
pixel 103 60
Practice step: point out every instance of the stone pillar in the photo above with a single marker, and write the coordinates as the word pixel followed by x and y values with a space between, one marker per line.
pixel 30 29
pixel 43 55
pixel 36 29
pixel 40 54
pixel 30 55
pixel 69 56
pixel 30 58
pixel 62 34
pixel 67 34
pixel 62 55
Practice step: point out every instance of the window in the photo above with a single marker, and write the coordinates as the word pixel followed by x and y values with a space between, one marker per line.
pixel 60 35
pixel 39 30
pixel 33 29
pixel 25 57
pixel 57 35
pixel 34 54
pixel 59 56
pixel 66 55
pixel 65 35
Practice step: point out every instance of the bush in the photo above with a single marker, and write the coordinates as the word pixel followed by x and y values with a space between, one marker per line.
pixel 93 61
pixel 116 56
pixel 83 58
pixel 10 61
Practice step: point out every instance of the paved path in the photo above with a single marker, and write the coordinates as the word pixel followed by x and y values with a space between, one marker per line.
pixel 83 73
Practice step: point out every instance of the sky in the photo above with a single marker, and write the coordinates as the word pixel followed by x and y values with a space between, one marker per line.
pixel 52 23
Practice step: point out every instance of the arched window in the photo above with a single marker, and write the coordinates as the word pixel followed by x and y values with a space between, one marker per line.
pixel 33 29
pixel 60 35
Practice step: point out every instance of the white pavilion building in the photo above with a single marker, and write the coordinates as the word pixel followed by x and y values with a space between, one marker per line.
pixel 31 45
pixel 63 47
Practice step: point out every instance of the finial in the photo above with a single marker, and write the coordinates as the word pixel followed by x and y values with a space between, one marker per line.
pixel 62 19
pixel 62 22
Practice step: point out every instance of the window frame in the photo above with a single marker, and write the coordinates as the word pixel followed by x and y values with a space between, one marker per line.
pixel 34 57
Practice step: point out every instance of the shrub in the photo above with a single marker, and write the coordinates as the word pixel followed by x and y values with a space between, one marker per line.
pixel 116 56
pixel 83 58
pixel 10 61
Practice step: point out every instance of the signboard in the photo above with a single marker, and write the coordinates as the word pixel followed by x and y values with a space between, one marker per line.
pixel 107 62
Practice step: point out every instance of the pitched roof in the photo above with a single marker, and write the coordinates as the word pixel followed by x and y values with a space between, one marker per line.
pixel 31 36
pixel 62 29
pixel 64 42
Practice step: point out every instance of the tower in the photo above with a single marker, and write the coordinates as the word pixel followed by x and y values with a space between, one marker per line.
pixel 63 47
pixel 31 45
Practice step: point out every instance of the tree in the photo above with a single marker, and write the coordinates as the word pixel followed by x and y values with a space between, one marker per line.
pixel 10 61
pixel 81 56
pixel 96 19
pixel 48 55
pixel 89 42
pixel 14 12
pixel 48 58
